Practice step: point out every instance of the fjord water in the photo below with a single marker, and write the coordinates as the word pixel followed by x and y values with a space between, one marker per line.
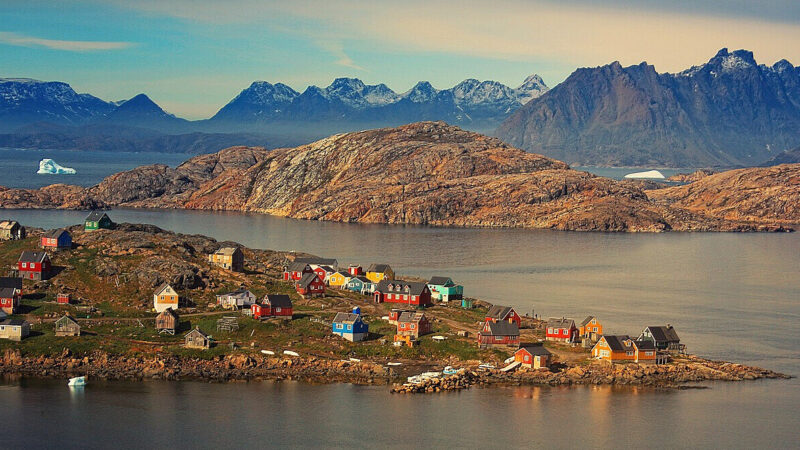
pixel 731 296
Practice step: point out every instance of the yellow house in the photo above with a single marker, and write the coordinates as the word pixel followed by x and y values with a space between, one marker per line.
pixel 165 297
pixel 230 258
pixel 378 272
pixel 339 279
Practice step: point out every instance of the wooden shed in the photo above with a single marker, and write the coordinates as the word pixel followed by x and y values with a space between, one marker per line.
pixel 197 339
pixel 167 321
pixel 67 326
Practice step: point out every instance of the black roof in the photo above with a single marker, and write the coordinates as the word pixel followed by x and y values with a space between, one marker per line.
pixel 29 256
pixel 7 292
pixel 586 320
pixel 11 282
pixel 55 234
pixel 502 329
pixel 664 334
pixel 297 266
pixel 12 322
pixel 499 312
pixel 94 216
pixel 439 281
pixel 307 279
pixel 169 311
pixel 535 349
pixel 278 300
pixel 646 344
pixel 560 323
pixel 378 268
pixel 399 287
pixel 617 342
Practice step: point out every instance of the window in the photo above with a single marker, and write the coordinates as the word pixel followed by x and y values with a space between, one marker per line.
pixel 278 309
pixel 648 353
pixel 550 331
pixel 527 358
pixel 629 353
pixel 24 265
pixel 413 326
pixel 338 326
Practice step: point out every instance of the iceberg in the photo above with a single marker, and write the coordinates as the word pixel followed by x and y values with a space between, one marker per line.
pixel 49 166
pixel 650 174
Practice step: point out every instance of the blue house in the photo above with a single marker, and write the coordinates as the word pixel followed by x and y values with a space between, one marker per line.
pixel 360 284
pixel 57 240
pixel 350 326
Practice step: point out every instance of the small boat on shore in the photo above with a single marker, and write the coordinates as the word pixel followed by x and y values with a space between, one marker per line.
pixel 355 360
pixel 431 374
pixel 77 381
pixel 416 379
pixel 290 353
pixel 393 363
pixel 450 370
pixel 268 352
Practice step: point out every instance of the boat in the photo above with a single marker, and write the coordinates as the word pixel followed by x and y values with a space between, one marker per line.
pixel 416 379
pixel 267 352
pixel 509 360
pixel 393 364
pixel 450 370
pixel 77 381
pixel 431 374
pixel 355 360
pixel 290 353
pixel 486 366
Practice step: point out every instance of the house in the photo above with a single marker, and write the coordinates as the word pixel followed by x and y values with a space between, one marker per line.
pixel 97 220
pixel 394 314
pixel 63 299
pixel 498 333
pixel 467 303
pixel 34 265
pixel 310 286
pixel 444 289
pixel 14 329
pixel 533 356
pixel 296 270
pixel 379 272
pixel 56 240
pixel 323 272
pixel 273 305
pixel 318 261
pixel 350 326
pixel 561 330
pixel 498 313
pixel 240 298
pixel 414 324
pixel 590 328
pixel 11 230
pixel 355 270
pixel 9 300
pixel 339 279
pixel 663 337
pixel 620 348
pixel 230 258
pixel 360 284
pixel 165 297
pixel 167 321
pixel 67 326
pixel 407 292
pixel 197 339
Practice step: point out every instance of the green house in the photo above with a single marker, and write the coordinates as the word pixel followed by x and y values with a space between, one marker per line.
pixel 443 289
pixel 466 303
pixel 96 220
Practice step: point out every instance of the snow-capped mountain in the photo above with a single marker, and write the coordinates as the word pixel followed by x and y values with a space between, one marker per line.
pixel 23 101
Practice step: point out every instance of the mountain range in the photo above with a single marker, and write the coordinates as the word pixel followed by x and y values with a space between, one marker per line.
pixel 730 111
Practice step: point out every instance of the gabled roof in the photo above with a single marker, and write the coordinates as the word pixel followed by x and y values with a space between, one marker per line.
pixel 29 256
pixel 616 342
pixel 237 293
pixel 11 282
pixel 362 279
pixel 399 287
pixel 560 323
pixel 298 267
pixel 502 328
pixel 67 318
pixel 327 269
pixel 664 334
pixel 317 261
pixel 227 251
pixel 307 279
pixel 8 224
pixel 343 317
pixel 161 288
pixel 95 216
pixel 440 281
pixel 13 322
pixel 586 321
pixel 410 316
pixel 499 312
pixel 169 311
pixel 278 300
pixel 196 331
pixel 55 234
pixel 645 344
pixel 345 273
pixel 7 292
pixel 535 349
pixel 380 268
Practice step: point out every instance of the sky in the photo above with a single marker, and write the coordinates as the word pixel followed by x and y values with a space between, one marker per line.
pixel 193 56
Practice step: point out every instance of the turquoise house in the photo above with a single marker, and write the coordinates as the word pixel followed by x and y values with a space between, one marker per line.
pixel 360 284
pixel 443 289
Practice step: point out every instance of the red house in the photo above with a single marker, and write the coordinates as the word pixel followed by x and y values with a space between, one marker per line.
pixel 561 330
pixel 498 333
pixel 355 270
pixel 323 272
pixel 499 313
pixel 413 323
pixel 310 286
pixel 409 293
pixel 272 305
pixel 9 300
pixel 62 299
pixel 56 240
pixel 295 271
pixel 34 265
pixel 394 315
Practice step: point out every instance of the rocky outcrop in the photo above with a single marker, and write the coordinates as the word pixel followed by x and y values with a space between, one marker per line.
pixel 691 177
pixel 424 173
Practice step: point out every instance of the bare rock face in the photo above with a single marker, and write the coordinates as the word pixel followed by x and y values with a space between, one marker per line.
pixel 422 173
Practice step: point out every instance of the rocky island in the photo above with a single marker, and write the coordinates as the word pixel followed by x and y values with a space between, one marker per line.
pixel 109 277
pixel 434 174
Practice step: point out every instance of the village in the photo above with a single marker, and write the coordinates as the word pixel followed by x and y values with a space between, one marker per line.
pixel 296 306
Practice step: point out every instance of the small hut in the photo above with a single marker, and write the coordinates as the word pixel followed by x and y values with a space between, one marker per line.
pixel 167 321
pixel 67 326
pixel 63 299
pixel 197 339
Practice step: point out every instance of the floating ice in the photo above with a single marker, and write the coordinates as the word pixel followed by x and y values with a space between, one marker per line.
pixel 49 166
pixel 650 174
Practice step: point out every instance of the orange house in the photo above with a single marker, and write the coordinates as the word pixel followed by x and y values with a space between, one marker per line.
pixel 533 356
pixel 591 328
pixel 622 348
pixel 165 297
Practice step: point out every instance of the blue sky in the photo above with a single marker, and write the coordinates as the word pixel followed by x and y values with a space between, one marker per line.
pixel 193 56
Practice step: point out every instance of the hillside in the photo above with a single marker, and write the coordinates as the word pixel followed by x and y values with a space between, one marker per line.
pixel 424 173
pixel 728 112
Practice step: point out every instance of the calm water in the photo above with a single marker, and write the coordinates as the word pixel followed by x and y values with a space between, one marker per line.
pixel 731 296
pixel 20 166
